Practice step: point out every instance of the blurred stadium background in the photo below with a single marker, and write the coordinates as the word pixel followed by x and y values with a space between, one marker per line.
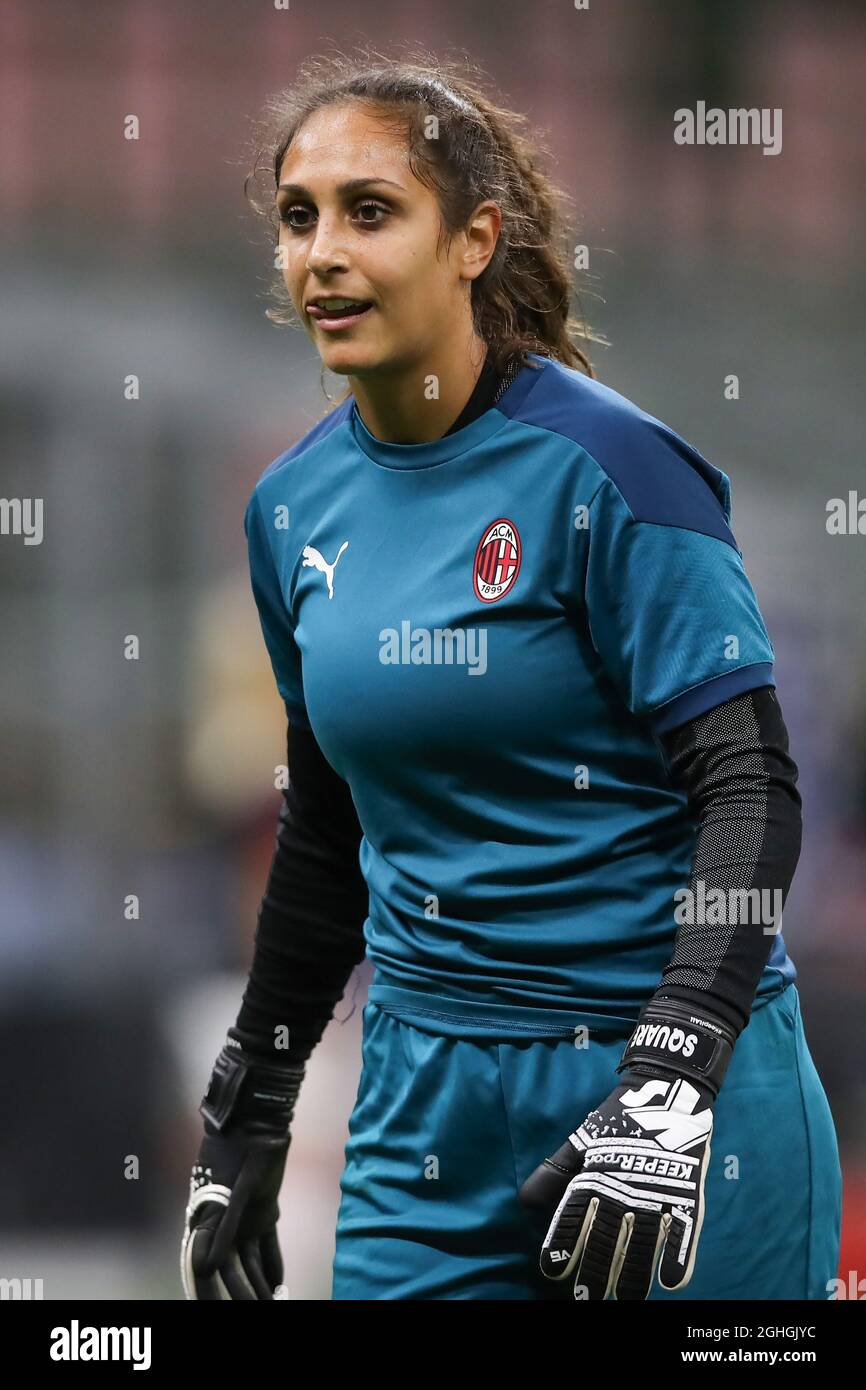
pixel 153 776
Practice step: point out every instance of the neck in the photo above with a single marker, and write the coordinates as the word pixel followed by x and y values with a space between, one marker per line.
pixel 400 407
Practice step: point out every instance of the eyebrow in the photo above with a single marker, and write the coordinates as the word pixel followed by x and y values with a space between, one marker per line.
pixel 299 190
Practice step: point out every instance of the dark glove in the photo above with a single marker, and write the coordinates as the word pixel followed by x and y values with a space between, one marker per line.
pixel 629 1182
pixel 230 1248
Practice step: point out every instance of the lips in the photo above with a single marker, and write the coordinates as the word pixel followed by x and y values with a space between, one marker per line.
pixel 342 315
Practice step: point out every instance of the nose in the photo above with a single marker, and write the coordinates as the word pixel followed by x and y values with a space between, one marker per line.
pixel 326 253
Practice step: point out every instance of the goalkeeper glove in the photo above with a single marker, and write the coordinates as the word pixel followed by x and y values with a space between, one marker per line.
pixel 230 1248
pixel 633 1173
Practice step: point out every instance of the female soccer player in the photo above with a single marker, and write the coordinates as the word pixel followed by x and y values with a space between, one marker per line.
pixel 538 771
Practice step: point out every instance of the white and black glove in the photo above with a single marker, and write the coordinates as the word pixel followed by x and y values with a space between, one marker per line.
pixel 230 1248
pixel 629 1181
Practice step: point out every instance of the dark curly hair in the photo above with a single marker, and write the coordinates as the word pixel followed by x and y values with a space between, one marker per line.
pixel 521 302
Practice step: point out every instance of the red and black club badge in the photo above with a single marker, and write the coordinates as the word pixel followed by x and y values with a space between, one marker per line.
pixel 497 560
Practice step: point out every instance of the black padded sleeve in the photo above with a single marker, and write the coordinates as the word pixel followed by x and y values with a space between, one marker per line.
pixel 733 764
pixel 309 935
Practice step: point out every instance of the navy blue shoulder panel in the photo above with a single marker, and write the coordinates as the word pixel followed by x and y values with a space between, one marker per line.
pixel 662 478
pixel 319 431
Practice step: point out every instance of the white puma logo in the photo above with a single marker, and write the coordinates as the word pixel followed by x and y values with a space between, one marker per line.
pixel 312 556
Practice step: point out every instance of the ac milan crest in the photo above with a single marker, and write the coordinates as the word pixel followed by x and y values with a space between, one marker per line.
pixel 497 560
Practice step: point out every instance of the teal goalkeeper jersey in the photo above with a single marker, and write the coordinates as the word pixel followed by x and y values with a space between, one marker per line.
pixel 486 634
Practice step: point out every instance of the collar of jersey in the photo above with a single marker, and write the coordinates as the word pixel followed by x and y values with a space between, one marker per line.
pixel 449 446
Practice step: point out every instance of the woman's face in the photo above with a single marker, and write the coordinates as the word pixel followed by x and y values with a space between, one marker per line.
pixel 355 223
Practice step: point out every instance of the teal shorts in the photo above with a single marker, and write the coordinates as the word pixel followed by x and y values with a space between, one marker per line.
pixel 446 1129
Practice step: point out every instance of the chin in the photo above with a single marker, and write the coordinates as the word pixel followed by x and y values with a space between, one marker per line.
pixel 347 360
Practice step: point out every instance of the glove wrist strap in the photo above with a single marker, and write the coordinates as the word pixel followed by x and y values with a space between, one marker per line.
pixel 257 1096
pixel 675 1038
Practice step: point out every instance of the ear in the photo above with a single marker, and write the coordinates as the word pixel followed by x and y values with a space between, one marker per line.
pixel 480 238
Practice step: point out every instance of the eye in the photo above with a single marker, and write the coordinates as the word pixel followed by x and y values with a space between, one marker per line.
pixel 377 207
pixel 287 215
pixel 289 212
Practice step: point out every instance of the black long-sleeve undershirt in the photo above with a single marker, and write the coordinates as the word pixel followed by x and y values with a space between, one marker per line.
pixel 309 935
pixel 733 765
